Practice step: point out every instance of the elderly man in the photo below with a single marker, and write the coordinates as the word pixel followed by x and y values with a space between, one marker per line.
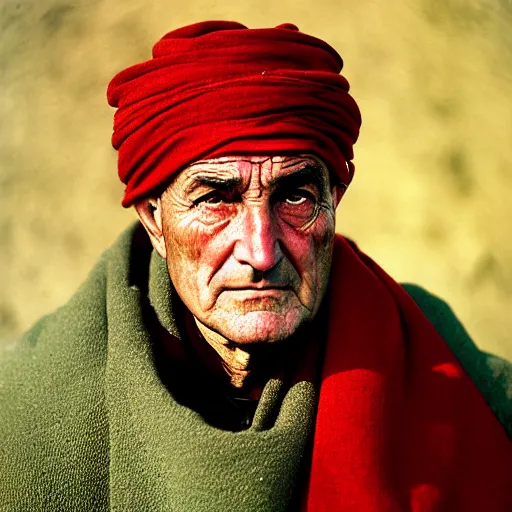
pixel 231 352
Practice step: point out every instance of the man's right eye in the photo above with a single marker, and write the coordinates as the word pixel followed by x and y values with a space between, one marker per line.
pixel 213 198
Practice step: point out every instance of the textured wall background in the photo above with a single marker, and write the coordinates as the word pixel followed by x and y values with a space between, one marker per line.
pixel 430 201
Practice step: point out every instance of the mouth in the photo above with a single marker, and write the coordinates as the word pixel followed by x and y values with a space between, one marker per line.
pixel 257 291
pixel 260 287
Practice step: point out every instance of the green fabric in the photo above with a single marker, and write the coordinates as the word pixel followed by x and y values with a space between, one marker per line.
pixel 87 424
pixel 492 375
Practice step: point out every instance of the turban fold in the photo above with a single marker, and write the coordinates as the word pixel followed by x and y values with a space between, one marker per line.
pixel 216 89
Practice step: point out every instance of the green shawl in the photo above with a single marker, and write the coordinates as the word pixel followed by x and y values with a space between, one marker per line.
pixel 87 424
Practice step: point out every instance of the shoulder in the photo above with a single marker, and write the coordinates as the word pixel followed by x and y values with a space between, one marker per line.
pixel 73 326
pixel 73 331
pixel 491 374
pixel 52 398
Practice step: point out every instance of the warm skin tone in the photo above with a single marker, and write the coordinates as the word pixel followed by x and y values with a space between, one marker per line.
pixel 248 244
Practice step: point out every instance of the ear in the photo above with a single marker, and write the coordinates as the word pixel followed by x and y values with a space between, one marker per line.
pixel 150 214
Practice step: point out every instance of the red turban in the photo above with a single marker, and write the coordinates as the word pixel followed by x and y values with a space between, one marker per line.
pixel 217 88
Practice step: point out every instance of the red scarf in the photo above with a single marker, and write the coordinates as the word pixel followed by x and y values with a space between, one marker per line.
pixel 400 425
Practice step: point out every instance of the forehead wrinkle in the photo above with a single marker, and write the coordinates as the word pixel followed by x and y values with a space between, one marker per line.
pixel 257 171
pixel 291 161
pixel 232 159
pixel 250 171
pixel 212 166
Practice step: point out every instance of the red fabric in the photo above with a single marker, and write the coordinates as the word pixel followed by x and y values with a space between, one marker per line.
pixel 218 88
pixel 400 425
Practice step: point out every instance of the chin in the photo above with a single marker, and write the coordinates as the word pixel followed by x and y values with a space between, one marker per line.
pixel 260 327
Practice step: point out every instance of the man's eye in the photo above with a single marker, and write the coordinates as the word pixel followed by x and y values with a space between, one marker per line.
pixel 213 198
pixel 296 199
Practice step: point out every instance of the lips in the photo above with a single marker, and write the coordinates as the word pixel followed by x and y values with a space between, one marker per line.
pixel 257 288
pixel 260 287
pixel 254 292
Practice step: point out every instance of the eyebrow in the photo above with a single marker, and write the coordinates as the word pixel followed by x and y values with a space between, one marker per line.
pixel 311 173
pixel 221 184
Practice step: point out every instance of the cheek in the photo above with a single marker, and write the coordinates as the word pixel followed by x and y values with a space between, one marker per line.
pixel 183 245
pixel 194 252
pixel 307 245
pixel 323 238
pixel 310 252
pixel 189 240
pixel 183 255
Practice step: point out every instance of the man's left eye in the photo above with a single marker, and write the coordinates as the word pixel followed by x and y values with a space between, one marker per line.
pixel 296 199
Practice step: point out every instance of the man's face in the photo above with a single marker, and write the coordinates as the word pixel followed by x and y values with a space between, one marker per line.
pixel 249 243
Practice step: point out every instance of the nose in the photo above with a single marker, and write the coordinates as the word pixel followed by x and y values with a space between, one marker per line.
pixel 257 239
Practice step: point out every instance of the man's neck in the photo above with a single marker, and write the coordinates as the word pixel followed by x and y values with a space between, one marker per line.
pixel 246 368
pixel 228 361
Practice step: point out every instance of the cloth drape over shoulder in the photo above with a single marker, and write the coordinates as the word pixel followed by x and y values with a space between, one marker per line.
pixel 409 415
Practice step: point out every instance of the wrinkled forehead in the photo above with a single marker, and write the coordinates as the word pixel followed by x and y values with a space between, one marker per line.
pixel 266 168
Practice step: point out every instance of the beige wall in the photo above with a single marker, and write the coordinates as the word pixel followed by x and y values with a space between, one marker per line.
pixel 430 201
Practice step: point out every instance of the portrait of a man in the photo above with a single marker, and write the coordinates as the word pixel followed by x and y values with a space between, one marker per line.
pixel 231 350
